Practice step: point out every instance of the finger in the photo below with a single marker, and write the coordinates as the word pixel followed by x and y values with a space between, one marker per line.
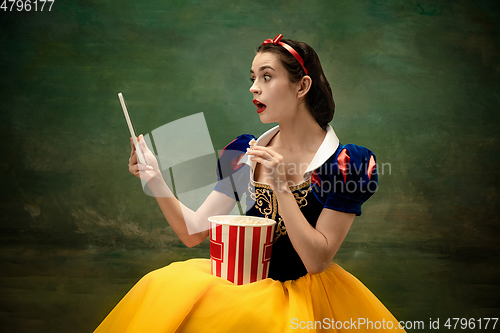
pixel 269 150
pixel 133 169
pixel 262 154
pixel 142 143
pixel 132 146
pixel 137 169
pixel 144 148
pixel 133 158
pixel 143 167
pixel 261 160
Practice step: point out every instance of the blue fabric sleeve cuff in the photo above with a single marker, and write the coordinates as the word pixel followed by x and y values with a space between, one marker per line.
pixel 224 186
pixel 343 204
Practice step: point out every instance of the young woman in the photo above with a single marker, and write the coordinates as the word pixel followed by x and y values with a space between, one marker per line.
pixel 297 174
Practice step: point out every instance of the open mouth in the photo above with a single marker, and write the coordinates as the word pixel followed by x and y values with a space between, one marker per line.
pixel 260 106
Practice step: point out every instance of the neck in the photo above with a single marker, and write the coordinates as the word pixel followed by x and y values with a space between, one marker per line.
pixel 300 132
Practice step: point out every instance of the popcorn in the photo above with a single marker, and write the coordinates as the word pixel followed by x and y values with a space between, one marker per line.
pixel 241 220
pixel 252 143
pixel 244 222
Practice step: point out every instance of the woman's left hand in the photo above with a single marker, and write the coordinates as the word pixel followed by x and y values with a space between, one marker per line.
pixel 144 172
pixel 274 166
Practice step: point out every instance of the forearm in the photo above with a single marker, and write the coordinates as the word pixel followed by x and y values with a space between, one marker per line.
pixel 311 245
pixel 183 221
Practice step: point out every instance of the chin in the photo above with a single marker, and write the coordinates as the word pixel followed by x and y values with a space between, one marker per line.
pixel 266 119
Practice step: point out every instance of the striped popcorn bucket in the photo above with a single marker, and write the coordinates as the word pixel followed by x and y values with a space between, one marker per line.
pixel 240 247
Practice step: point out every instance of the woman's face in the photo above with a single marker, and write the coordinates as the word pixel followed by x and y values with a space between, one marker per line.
pixel 273 93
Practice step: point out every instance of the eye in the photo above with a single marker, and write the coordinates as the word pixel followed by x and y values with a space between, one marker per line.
pixel 252 79
pixel 267 77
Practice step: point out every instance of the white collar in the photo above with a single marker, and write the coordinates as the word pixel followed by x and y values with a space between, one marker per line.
pixel 328 147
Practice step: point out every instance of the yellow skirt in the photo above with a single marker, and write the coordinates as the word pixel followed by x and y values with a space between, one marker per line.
pixel 185 297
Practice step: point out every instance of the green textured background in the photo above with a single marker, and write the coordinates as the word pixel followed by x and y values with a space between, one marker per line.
pixel 415 81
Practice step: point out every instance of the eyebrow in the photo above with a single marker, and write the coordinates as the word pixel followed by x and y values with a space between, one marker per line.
pixel 262 68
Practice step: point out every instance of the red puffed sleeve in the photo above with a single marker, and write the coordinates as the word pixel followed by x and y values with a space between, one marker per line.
pixel 347 179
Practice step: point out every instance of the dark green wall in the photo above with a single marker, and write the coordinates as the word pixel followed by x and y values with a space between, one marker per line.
pixel 415 81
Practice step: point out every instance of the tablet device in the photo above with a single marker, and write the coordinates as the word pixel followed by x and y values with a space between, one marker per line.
pixel 132 133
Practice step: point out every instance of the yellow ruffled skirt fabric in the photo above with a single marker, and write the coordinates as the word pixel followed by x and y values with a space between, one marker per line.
pixel 185 297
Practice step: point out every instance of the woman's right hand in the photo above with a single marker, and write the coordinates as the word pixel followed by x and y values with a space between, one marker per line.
pixel 144 172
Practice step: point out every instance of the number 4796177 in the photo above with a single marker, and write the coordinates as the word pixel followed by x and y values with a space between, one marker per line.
pixel 26 5
pixel 470 323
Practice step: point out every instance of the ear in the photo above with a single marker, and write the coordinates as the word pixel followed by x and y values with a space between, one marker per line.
pixel 303 86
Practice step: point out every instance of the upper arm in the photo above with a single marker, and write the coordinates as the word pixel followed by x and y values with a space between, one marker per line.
pixel 216 203
pixel 342 185
pixel 232 181
pixel 334 226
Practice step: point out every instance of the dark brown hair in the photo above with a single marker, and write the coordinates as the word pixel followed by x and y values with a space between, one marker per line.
pixel 319 99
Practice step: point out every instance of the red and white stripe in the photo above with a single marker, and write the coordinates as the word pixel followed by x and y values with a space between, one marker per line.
pixel 240 254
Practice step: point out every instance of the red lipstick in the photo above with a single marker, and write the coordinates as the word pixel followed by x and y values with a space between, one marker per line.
pixel 260 106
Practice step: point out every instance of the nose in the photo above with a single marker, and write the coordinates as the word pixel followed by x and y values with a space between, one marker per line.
pixel 255 89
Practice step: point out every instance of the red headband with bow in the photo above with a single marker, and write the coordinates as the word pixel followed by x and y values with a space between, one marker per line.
pixel 277 41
